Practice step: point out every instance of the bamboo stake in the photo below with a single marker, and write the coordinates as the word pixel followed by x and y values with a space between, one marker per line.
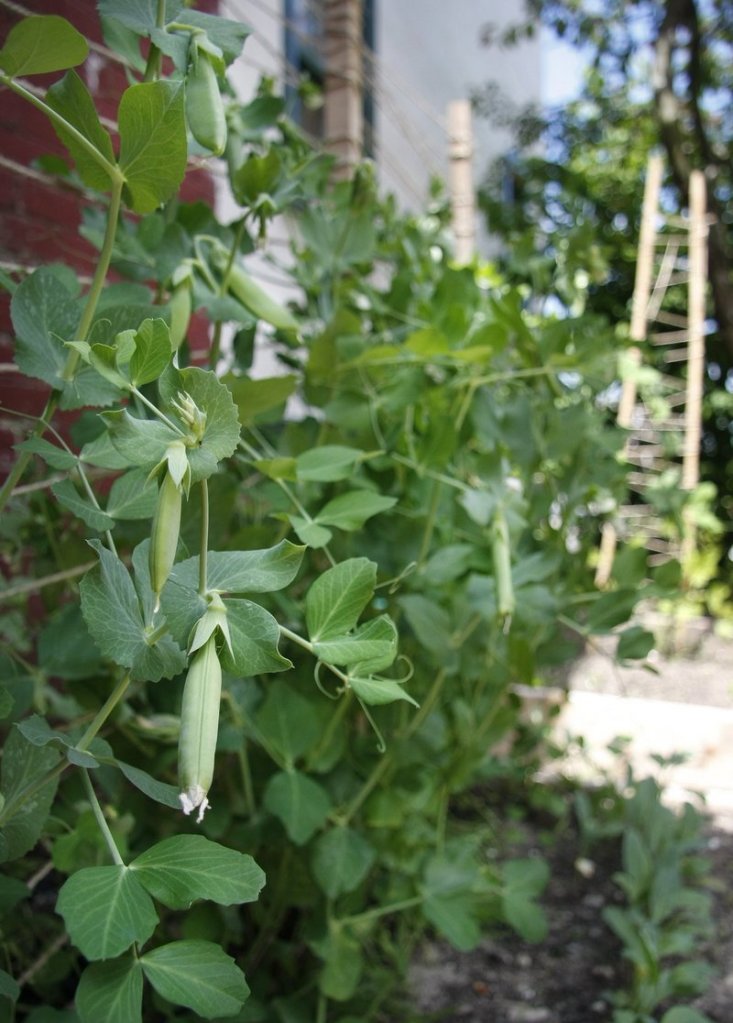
pixel 637 331
pixel 695 350
pixel 460 152
pixel 343 101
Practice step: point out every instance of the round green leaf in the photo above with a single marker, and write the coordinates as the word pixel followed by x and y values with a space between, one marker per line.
pixel 197 974
pixel 106 909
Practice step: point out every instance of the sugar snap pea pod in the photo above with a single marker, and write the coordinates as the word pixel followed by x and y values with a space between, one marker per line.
pixel 180 304
pixel 164 535
pixel 502 565
pixel 199 728
pixel 204 105
pixel 252 297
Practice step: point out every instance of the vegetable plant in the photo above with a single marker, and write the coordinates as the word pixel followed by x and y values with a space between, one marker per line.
pixel 310 594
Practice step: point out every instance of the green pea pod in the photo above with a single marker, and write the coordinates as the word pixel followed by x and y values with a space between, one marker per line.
pixel 164 534
pixel 204 106
pixel 252 297
pixel 199 728
pixel 502 566
pixel 181 305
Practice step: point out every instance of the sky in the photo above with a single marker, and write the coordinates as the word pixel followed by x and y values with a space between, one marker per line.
pixel 562 70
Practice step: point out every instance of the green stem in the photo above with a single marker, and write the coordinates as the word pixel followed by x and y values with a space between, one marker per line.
pixel 331 727
pixel 155 57
pixel 154 408
pixel 366 788
pixel 223 285
pixel 104 712
pixel 429 524
pixel 155 634
pixel 309 647
pixel 204 552
pixel 111 169
pixel 246 772
pixel 427 705
pixel 322 1009
pixel 103 826
pixel 379 911
pixel 92 298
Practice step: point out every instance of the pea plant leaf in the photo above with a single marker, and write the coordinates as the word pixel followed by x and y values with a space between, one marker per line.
pixel 152 351
pixel 24 765
pixel 40 44
pixel 161 792
pixel 374 642
pixel 288 721
pixel 221 435
pixel 377 691
pixel 111 991
pixel 52 454
pixel 255 635
pixel 139 15
pixel 105 910
pixel 132 496
pixel 37 731
pixel 351 510
pixel 140 442
pixel 337 598
pixel 197 974
pixel 259 571
pixel 71 98
pixel 328 463
pixel 153 146
pixel 298 802
pixel 44 314
pixel 340 860
pixel 181 869
pixel 9 987
pixel 255 397
pixel 112 612
pixel 343 964
pixel 69 497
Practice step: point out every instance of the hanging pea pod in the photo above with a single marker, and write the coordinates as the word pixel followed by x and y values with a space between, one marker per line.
pixel 180 303
pixel 199 728
pixel 167 517
pixel 204 106
pixel 254 298
pixel 502 566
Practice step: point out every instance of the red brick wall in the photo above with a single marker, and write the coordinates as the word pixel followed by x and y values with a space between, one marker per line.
pixel 40 215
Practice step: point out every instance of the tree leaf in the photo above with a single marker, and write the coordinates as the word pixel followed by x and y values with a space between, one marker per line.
pixel 374 642
pixel 71 98
pixel 340 860
pixel 300 803
pixel 153 146
pixel 255 635
pixel 111 991
pixel 111 610
pixel 260 571
pixel 23 766
pixel 197 974
pixel 337 598
pixel 106 909
pixel 66 494
pixel 40 44
pixel 181 869
pixel 350 511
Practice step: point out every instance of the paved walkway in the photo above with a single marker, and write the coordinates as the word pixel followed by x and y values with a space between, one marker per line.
pixel 685 707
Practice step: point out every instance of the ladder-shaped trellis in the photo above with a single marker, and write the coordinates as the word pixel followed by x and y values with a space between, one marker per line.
pixel 665 427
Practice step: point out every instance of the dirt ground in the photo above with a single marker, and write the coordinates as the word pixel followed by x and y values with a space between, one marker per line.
pixel 566 978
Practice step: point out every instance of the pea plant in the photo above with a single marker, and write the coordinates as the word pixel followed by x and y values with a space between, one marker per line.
pixel 399 526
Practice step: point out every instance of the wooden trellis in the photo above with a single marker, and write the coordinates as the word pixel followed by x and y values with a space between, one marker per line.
pixel 672 252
